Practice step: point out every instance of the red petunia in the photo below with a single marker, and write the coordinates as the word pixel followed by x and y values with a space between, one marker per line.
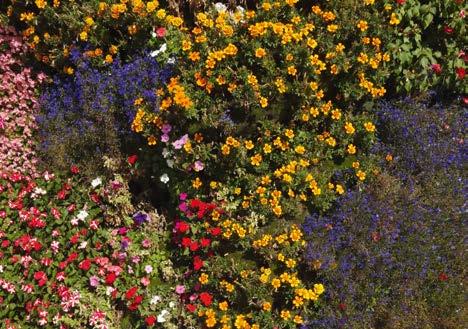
pixel 191 308
pixel 460 73
pixel 437 68
pixel 131 292
pixel 443 277
pixel 85 265
pixel 197 263
pixel 132 159
pixel 215 231
pixel 74 169
pixel 194 246
pixel 186 242
pixel 205 242
pixel 150 320
pixel 182 227
pixel 110 278
pixel 206 298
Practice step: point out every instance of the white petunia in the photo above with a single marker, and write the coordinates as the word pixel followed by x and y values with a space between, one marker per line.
pixel 96 182
pixel 164 178
pixel 82 215
pixel 171 60
pixel 156 299
pixel 162 49
pixel 220 8
pixel 161 316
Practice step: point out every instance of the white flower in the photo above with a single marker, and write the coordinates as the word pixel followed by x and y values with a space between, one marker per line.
pixel 240 8
pixel 83 245
pixel 161 316
pixel 1 268
pixel 165 153
pixel 172 304
pixel 170 163
pixel 109 290
pixel 148 269
pixel 96 182
pixel 156 299
pixel 164 178
pixel 153 34
pixel 162 49
pixel 171 60
pixel 220 8
pixel 82 215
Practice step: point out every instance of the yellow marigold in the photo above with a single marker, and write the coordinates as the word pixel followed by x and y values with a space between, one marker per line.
pixel 285 315
pixel 223 306
pixel 349 128
pixel 361 175
pixel 394 20
pixel 362 25
pixel 266 306
pixel 256 159
pixel 370 127
pixel 197 183
pixel 40 4
pixel 260 52
pixel 351 149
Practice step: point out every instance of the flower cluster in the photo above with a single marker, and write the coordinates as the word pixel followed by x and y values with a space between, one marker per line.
pixel 57 248
pixel 225 286
pixel 19 104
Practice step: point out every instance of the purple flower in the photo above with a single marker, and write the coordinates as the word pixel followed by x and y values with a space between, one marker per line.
pixel 166 128
pixel 198 166
pixel 164 138
pixel 94 281
pixel 140 218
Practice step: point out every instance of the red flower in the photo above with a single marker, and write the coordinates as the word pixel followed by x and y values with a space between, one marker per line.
pixel 443 277
pixel 95 198
pixel 131 292
pixel 194 246
pixel 74 169
pixel 448 29
pixel 206 298
pixel 110 278
pixel 205 242
pixel 460 73
pixel 138 299
pixel 150 320
pixel 191 308
pixel 197 263
pixel 186 242
pixel 182 227
pixel 436 68
pixel 85 265
pixel 132 159
pixel 342 306
pixel 5 243
pixel 41 278
pixel 400 2
pixel 215 231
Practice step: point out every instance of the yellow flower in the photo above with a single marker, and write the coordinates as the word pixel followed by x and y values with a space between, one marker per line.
pixel 267 148
pixel 300 149
pixel 203 279
pixel 84 36
pixel 332 28
pixel 339 189
pixel 89 21
pixel 389 157
pixel 394 20
pixel 349 128
pixel 225 149
pixel 370 127
pixel 339 47
pixel 276 283
pixel 197 183
pixel 362 25
pixel 298 301
pixel 152 140
pixel 223 306
pixel 298 319
pixel 256 159
pixel 361 175
pixel 351 149
pixel 312 43
pixel 292 70
pixel 319 288
pixel 263 102
pixel 40 4
pixel 210 322
pixel 285 314
pixel 289 133
pixel 260 52
pixel 248 144
pixel 266 306
pixel 291 263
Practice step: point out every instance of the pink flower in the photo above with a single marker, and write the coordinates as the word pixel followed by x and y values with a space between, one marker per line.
pixel 198 166
pixel 180 289
pixel 145 281
pixel 94 281
pixel 161 32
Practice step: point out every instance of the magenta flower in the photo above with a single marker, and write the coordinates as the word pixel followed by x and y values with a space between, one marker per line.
pixel 180 289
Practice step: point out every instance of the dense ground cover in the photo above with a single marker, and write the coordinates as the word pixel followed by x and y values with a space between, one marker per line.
pixel 272 164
